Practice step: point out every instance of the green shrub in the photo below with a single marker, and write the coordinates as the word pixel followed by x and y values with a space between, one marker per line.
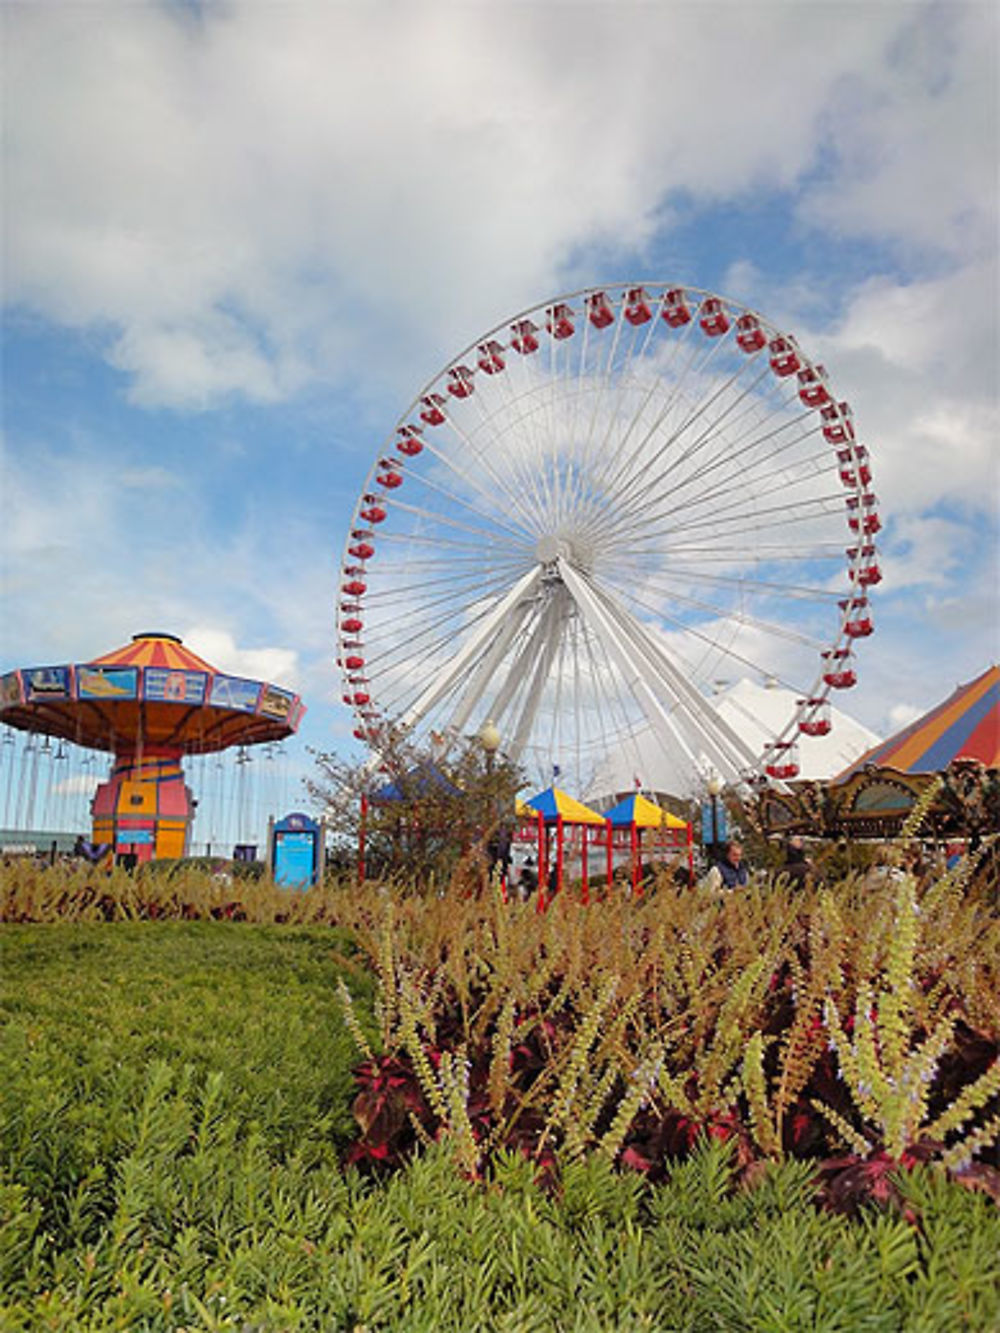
pixel 238 1023
pixel 204 1232
pixel 859 1019
pixel 176 1096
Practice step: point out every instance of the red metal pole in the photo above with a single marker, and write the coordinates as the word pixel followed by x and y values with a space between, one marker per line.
pixel 634 849
pixel 690 846
pixel 611 862
pixel 543 862
pixel 559 853
pixel 583 867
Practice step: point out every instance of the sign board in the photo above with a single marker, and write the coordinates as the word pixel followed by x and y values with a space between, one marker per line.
pixel 162 683
pixel 107 682
pixel 276 703
pixel 718 833
pixel 235 692
pixel 296 851
pixel 132 837
pixel 49 682
pixel 10 688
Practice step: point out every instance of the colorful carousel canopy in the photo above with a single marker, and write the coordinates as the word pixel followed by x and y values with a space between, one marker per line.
pixel 965 726
pixel 643 813
pixel 153 692
pixel 553 804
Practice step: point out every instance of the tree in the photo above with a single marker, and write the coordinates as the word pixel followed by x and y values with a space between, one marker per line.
pixel 418 815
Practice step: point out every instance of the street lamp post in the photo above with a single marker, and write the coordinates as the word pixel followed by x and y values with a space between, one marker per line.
pixel 489 739
pixel 714 790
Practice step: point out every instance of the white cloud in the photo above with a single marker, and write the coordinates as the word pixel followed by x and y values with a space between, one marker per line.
pixel 926 553
pixel 262 194
pixel 901 715
pixel 148 478
pixel 85 558
pixel 237 202
pixel 926 643
pixel 918 362
pixel 198 364
pixel 911 145
pixel 278 665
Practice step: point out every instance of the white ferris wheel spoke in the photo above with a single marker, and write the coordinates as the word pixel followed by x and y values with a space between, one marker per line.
pixel 440 687
pixel 653 680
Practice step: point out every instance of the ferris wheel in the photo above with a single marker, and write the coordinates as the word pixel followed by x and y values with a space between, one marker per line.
pixel 596 510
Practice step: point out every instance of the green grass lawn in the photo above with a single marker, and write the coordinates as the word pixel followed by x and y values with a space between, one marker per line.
pixel 87 1010
pixel 241 1019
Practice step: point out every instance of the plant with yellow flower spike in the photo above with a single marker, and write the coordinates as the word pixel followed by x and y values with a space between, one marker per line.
pixel 889 1052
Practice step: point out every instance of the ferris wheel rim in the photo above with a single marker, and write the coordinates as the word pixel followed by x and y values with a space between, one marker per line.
pixel 839 646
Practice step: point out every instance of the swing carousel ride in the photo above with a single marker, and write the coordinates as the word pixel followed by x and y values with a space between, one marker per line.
pixel 151 704
pixel 593 515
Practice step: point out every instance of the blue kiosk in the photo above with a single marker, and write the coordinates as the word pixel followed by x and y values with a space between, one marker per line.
pixel 296 850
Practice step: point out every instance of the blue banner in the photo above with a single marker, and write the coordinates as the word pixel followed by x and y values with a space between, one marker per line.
pixel 48 682
pixel 713 833
pixel 235 692
pixel 107 682
pixel 172 686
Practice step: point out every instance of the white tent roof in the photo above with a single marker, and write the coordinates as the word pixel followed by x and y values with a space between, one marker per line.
pixel 757 713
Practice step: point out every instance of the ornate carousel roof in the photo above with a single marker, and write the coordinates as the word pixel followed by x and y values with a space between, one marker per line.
pixel 965 726
pixel 151 692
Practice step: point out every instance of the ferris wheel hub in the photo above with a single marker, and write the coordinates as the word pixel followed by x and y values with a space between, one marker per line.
pixel 567 546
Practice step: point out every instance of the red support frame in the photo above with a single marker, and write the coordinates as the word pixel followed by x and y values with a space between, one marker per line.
pixel 543 864
pixel 585 887
pixel 559 853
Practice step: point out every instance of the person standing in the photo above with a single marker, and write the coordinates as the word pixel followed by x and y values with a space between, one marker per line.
pixel 732 867
pixel 797 865
pixel 527 880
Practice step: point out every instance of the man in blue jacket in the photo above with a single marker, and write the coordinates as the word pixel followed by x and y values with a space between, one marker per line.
pixel 732 867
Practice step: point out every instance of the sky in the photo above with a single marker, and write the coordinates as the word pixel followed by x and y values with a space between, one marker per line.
pixel 239 237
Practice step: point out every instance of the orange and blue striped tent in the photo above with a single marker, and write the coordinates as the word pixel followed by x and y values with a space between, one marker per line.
pixel 965 726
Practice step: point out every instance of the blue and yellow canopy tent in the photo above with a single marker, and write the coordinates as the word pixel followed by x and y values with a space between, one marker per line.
pixel 552 809
pixel 635 824
pixel 647 827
